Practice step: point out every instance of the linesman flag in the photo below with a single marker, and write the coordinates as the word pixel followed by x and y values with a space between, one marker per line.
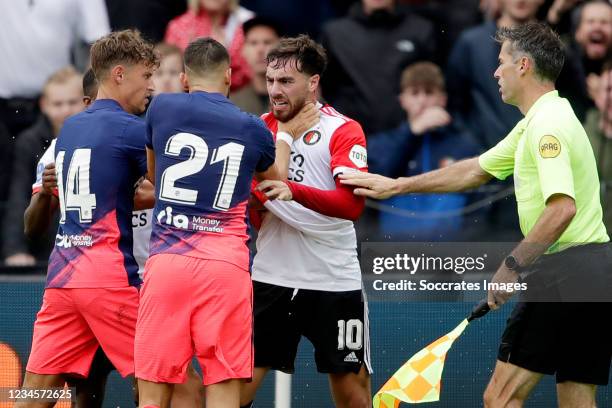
pixel 419 379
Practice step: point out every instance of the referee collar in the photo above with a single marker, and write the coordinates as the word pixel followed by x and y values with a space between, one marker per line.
pixel 542 100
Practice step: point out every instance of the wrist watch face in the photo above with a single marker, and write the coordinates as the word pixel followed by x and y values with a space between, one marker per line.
pixel 511 262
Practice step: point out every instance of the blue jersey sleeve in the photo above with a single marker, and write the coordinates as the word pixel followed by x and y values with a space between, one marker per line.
pixel 265 141
pixel 134 141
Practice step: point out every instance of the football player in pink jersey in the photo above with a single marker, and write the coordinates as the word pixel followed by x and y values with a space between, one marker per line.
pixel 43 206
pixel 91 296
pixel 197 295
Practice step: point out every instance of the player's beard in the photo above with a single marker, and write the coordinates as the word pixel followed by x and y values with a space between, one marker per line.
pixel 296 106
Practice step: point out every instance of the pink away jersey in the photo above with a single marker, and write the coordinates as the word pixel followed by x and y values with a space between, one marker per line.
pixel 206 151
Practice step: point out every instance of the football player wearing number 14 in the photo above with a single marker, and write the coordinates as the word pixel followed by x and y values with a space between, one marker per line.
pixel 91 295
pixel 196 299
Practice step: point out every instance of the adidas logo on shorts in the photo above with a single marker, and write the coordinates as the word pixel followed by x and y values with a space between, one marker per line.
pixel 351 358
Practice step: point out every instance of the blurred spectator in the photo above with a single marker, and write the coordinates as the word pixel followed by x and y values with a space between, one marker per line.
pixel 219 19
pixel 150 17
pixel 6 160
pixel 62 96
pixel 490 9
pixel 586 53
pixel 167 78
pixel 6 142
pixel 450 19
pixel 474 98
pixel 300 16
pixel 426 141
pixel 367 52
pixel 37 37
pixel 260 34
pixel 559 11
pixel 598 126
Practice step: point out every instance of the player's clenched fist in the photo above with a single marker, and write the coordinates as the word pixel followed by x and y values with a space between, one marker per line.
pixel 49 179
pixel 275 190
pixel 306 118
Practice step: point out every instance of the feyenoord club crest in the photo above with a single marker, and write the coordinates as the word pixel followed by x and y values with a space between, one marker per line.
pixel 312 137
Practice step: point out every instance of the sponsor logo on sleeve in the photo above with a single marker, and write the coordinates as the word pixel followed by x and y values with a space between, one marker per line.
pixel 359 156
pixel 549 147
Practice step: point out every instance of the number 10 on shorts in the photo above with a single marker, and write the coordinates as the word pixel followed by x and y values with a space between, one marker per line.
pixel 350 334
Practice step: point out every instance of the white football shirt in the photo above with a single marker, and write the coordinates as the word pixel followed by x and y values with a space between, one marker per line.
pixel 300 248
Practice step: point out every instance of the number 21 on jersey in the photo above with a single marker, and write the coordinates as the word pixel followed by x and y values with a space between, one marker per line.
pixel 230 154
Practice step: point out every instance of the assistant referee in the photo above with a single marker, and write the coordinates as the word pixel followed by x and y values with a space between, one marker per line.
pixel 560 214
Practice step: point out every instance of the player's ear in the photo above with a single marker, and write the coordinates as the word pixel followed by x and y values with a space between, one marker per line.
pixel 117 73
pixel 524 65
pixel 313 82
pixel 228 76
pixel 184 81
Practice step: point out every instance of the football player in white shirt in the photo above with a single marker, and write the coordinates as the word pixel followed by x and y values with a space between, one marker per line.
pixel 306 275
pixel 43 205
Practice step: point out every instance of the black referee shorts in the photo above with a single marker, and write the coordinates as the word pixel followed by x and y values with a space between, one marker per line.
pixel 568 338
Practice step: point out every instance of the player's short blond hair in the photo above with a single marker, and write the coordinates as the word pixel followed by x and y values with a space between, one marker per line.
pixel 62 76
pixel 121 47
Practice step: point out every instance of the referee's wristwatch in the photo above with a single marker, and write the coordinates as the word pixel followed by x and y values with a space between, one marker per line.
pixel 513 264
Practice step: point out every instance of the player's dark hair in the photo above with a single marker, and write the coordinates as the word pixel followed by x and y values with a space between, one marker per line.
pixel 121 47
pixel 259 21
pixel 90 85
pixel 540 43
pixel 204 55
pixel 309 56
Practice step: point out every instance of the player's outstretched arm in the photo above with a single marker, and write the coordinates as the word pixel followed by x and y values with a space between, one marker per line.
pixel 43 205
pixel 287 132
pixel 460 176
pixel 339 203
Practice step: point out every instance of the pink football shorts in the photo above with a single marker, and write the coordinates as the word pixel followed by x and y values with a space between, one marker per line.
pixel 73 323
pixel 191 306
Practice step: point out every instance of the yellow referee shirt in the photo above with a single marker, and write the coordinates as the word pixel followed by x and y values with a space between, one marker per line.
pixel 549 153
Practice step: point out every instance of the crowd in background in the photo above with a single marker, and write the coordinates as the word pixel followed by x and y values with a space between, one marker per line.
pixel 416 74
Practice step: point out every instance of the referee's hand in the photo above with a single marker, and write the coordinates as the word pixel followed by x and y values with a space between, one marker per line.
pixel 503 276
pixel 49 179
pixel 370 185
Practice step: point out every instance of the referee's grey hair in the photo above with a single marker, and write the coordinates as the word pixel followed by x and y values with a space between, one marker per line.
pixel 540 43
